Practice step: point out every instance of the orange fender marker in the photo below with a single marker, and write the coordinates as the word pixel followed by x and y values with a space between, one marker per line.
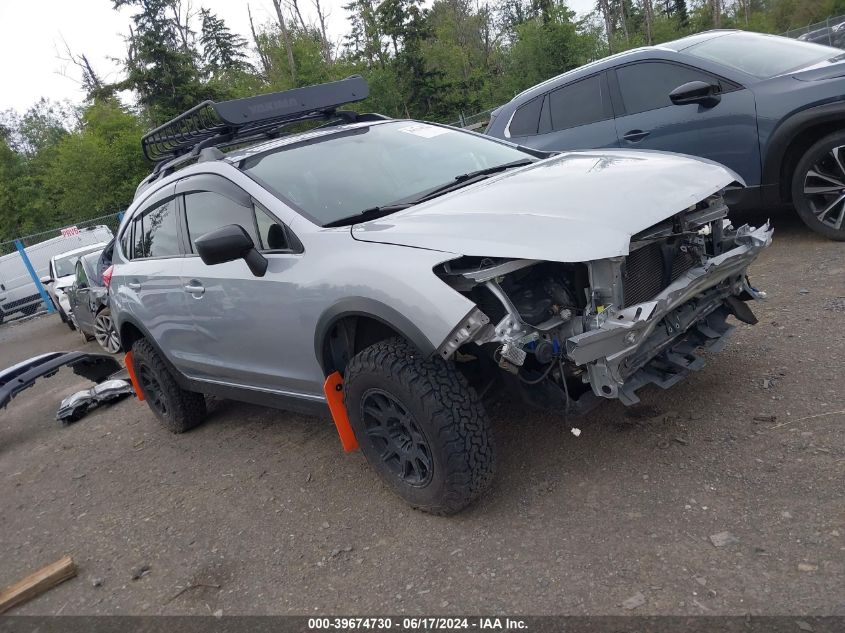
pixel 130 368
pixel 333 388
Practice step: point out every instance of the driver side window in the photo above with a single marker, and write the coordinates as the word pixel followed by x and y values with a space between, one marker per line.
pixel 206 211
pixel 646 85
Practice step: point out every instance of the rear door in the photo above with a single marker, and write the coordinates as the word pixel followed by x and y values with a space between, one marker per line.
pixel 647 119
pixel 578 115
pixel 247 330
pixel 150 283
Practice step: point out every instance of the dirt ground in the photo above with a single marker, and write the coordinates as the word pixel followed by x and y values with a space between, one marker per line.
pixel 260 512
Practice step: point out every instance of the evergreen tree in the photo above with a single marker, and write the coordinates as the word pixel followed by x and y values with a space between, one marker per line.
pixel 222 50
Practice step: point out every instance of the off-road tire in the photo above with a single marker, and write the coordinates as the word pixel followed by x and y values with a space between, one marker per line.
pixel 812 158
pixel 182 410
pixel 442 407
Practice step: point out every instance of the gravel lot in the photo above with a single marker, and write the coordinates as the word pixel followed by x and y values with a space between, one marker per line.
pixel 260 511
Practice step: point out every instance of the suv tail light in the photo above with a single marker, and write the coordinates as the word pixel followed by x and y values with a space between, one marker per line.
pixel 107 273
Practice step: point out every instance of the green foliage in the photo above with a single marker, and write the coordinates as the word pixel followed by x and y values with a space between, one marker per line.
pixel 60 163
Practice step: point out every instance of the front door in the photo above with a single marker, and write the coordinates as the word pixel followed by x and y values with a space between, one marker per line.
pixel 247 330
pixel 725 132
pixel 79 298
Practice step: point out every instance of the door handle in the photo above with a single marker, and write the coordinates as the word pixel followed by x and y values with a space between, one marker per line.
pixel 635 136
pixel 134 285
pixel 195 288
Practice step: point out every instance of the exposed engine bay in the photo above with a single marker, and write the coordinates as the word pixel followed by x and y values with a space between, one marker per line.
pixel 607 327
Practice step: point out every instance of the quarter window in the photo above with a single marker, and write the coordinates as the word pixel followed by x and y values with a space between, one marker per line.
pixel 526 119
pixel 646 86
pixel 579 103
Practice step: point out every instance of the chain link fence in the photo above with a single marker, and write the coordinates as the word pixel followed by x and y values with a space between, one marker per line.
pixel 830 32
pixel 475 122
pixel 26 259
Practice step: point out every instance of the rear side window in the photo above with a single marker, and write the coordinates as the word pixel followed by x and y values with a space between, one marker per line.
pixel 156 232
pixel 646 86
pixel 579 103
pixel 526 119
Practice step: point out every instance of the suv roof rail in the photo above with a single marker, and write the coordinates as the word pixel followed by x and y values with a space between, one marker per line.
pixel 210 124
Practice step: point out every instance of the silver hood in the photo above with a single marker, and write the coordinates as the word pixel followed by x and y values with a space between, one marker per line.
pixel 574 207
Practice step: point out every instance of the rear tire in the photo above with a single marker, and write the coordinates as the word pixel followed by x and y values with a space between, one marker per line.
pixel 105 333
pixel 818 187
pixel 420 425
pixel 177 409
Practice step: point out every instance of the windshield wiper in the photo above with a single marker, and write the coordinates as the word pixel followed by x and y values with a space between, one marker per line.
pixel 459 181
pixel 468 179
pixel 493 170
pixel 372 213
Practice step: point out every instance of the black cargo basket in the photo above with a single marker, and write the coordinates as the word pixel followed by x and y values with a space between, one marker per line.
pixel 210 123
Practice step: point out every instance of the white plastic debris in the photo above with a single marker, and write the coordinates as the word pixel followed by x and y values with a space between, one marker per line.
pixel 576 432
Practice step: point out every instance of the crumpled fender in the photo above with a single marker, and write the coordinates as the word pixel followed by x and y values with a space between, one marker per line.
pixel 94 367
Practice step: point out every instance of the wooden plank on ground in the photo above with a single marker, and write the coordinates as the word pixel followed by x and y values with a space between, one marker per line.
pixel 37 583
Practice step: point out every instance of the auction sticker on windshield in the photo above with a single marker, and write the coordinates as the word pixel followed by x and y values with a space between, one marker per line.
pixel 423 130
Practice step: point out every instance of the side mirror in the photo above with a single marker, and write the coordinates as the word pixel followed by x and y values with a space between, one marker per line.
pixel 229 243
pixel 47 279
pixel 699 92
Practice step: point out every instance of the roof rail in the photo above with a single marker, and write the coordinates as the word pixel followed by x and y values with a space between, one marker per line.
pixel 209 124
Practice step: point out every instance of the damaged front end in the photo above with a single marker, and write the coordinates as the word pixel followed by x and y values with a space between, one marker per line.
pixel 579 332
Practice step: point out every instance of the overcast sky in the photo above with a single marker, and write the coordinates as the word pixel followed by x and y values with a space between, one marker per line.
pixel 32 33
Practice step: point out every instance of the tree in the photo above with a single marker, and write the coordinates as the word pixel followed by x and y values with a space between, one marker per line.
pixel 161 63
pixel 280 16
pixel 222 50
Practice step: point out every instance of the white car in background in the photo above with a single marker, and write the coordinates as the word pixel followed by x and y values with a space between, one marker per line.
pixel 61 277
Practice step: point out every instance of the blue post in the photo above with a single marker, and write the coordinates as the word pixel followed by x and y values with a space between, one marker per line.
pixel 44 296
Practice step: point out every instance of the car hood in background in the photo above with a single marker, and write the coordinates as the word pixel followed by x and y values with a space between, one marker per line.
pixel 828 69
pixel 64 282
pixel 574 207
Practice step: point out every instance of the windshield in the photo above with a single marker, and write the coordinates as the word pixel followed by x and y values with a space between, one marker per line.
pixel 762 56
pixel 67 265
pixel 332 179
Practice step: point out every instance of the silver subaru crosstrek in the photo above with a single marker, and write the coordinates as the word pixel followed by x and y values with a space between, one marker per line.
pixel 393 272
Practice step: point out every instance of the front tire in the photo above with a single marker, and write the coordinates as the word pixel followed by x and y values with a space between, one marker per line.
pixel 177 409
pixel 818 187
pixel 420 425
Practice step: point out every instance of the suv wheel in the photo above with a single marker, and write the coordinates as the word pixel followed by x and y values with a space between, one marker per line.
pixel 105 333
pixel 420 425
pixel 818 187
pixel 177 409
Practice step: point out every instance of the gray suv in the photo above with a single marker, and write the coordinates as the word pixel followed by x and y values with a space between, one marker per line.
pixel 770 108
pixel 392 271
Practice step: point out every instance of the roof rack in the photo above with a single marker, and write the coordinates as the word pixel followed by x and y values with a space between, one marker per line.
pixel 210 124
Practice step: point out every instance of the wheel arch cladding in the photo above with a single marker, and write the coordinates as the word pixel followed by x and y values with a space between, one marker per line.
pixel 793 137
pixel 351 325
